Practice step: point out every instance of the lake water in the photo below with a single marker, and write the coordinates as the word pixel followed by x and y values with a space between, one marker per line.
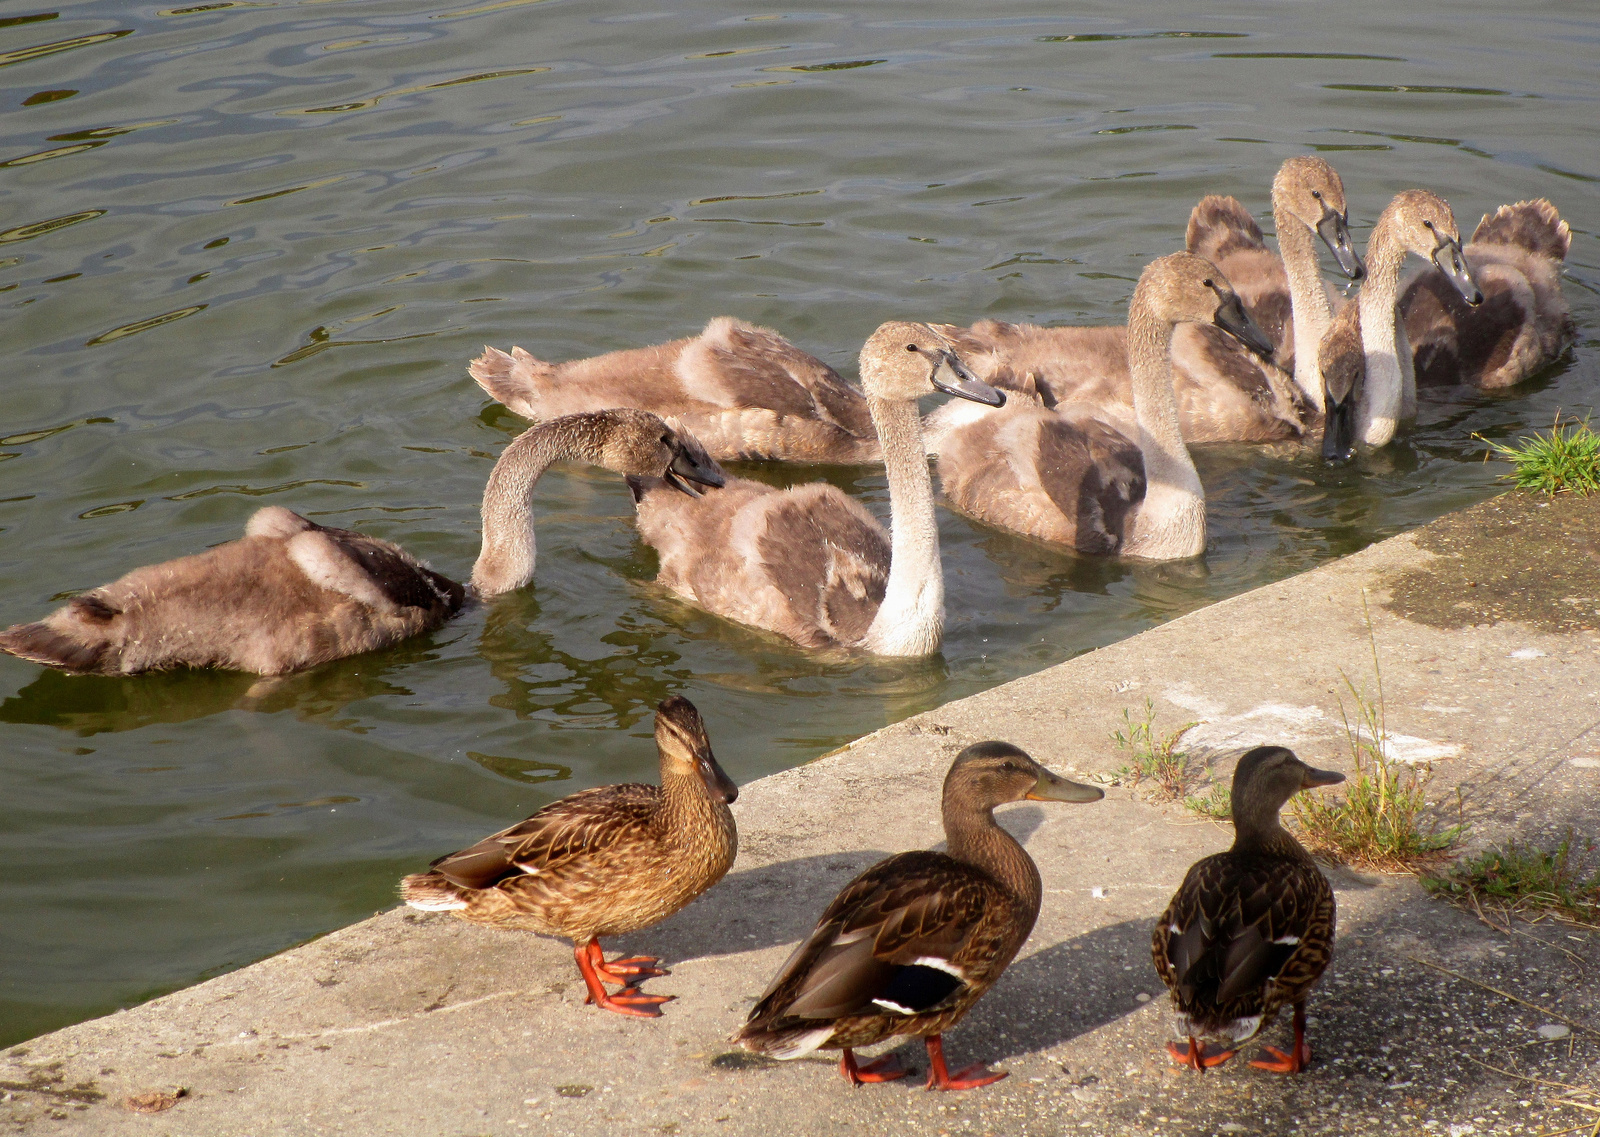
pixel 248 246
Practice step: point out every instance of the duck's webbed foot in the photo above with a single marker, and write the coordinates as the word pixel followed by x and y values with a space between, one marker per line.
pixel 1299 1059
pixel 628 1001
pixel 884 1069
pixel 970 1078
pixel 1194 1055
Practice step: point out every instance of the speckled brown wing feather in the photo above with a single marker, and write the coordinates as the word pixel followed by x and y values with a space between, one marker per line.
pixel 761 369
pixel 912 907
pixel 1245 934
pixel 581 824
pixel 829 564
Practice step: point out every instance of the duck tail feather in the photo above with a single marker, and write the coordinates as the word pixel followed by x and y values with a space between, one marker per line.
pixel 517 379
pixel 1531 225
pixel 41 643
pixel 1219 225
pixel 431 892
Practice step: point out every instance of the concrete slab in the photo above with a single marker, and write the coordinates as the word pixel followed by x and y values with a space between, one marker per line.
pixel 1428 1022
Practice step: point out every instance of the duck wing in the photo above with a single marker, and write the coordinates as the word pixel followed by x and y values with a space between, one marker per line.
pixel 915 933
pixel 563 831
pixel 1243 935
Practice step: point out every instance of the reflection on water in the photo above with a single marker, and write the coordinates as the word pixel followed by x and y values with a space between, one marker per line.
pixel 247 250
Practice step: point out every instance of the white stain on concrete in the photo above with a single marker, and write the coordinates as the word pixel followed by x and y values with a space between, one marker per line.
pixel 1281 724
pixel 1184 695
pixel 1587 762
pixel 1527 653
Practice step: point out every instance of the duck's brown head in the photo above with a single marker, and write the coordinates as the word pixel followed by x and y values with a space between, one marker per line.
pixel 903 361
pixel 988 774
pixel 1312 192
pixel 1265 779
pixel 1421 222
pixel 644 445
pixel 1184 288
pixel 686 749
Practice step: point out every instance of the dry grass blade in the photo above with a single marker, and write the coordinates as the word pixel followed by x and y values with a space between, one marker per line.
pixel 1519 1000
pixel 1524 880
pixel 1383 820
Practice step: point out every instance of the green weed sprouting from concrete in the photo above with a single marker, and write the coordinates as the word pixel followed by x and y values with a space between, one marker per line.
pixel 1155 759
pixel 1383 820
pixel 1526 881
pixel 1567 460
pixel 1216 803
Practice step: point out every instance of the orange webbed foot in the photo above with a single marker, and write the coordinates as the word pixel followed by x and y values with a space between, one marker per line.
pixel 1195 1057
pixel 632 1001
pixel 1281 1063
pixel 970 1078
pixel 629 971
pixel 884 1069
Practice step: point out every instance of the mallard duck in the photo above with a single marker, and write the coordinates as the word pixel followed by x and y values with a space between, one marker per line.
pixel 912 943
pixel 746 392
pixel 1250 929
pixel 808 562
pixel 602 862
pixel 1092 476
pixel 293 594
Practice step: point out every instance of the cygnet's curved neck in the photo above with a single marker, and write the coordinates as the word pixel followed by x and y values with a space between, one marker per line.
pixel 910 621
pixel 1390 382
pixel 505 563
pixel 1308 300
pixel 1171 522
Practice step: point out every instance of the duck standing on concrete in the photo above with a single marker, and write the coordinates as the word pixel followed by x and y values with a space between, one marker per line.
pixel 912 943
pixel 810 563
pixel 1091 476
pixel 1369 384
pixel 746 392
pixel 1252 928
pixel 1523 324
pixel 293 594
pixel 602 862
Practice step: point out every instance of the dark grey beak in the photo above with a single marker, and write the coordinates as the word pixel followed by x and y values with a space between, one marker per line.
pixel 961 382
pixel 685 468
pixel 1334 229
pixel 1313 778
pixel 1338 428
pixel 1053 787
pixel 1447 255
pixel 1233 319
pixel 719 787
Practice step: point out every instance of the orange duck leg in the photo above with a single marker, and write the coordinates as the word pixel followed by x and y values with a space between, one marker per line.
pixel 884 1069
pixel 970 1078
pixel 625 971
pixel 1281 1063
pixel 1195 1057
pixel 628 1001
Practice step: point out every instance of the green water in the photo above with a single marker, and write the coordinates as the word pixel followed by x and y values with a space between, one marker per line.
pixel 246 249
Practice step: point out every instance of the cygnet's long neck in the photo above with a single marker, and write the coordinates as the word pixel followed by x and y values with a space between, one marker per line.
pixel 1308 300
pixel 1384 391
pixel 505 563
pixel 910 621
pixel 1171 522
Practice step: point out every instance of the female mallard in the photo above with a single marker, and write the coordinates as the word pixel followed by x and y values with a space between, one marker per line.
pixel 294 594
pixel 602 862
pixel 912 943
pixel 1250 929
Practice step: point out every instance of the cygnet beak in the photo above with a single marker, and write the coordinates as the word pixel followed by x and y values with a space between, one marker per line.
pixel 961 382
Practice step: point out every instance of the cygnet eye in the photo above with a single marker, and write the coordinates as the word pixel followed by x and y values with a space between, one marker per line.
pixel 1208 282
pixel 911 347
pixel 1429 225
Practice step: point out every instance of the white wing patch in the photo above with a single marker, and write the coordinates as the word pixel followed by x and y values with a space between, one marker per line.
pixel 801 1044
pixel 939 964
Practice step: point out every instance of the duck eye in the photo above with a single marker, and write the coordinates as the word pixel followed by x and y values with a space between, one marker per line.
pixel 1208 283
pixel 1429 225
pixel 1317 194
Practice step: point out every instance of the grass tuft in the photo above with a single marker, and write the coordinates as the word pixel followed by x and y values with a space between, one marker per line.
pixel 1567 460
pixel 1217 803
pixel 1383 821
pixel 1155 758
pixel 1525 881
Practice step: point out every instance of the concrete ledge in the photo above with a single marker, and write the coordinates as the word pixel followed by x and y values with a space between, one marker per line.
pixel 418 1024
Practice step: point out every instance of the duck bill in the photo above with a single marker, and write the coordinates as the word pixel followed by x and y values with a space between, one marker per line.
pixel 951 376
pixel 719 787
pixel 1338 429
pixel 1334 229
pixel 1314 778
pixel 686 469
pixel 1450 260
pixel 1052 787
pixel 1233 319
